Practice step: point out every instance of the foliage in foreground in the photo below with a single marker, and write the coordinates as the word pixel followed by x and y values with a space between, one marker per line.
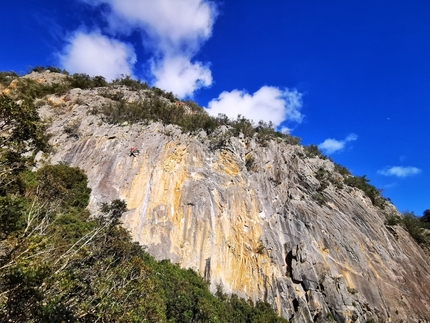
pixel 57 264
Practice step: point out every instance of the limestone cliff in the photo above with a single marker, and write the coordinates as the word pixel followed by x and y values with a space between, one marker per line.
pixel 252 218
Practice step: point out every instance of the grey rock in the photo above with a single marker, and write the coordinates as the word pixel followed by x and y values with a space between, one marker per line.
pixel 266 235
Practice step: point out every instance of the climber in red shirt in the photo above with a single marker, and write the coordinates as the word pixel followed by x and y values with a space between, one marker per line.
pixel 133 152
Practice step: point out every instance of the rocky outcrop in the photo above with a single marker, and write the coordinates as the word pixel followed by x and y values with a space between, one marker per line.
pixel 252 218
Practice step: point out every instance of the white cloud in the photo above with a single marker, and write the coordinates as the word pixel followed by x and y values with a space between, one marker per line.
pixel 173 31
pixel 175 26
pixel 351 137
pixel 285 130
pixel 95 54
pixel 267 104
pixel 330 145
pixel 180 76
pixel 399 171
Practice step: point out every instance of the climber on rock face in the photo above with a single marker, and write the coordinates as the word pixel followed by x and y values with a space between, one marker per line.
pixel 133 152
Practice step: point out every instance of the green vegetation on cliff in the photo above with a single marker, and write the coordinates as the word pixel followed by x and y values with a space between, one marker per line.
pixel 418 227
pixel 157 105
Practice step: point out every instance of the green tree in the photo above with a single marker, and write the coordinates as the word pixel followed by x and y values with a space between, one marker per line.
pixel 22 134
pixel 426 217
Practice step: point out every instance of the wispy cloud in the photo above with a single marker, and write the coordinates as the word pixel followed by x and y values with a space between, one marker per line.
pixel 400 171
pixel 330 145
pixel 95 54
pixel 172 32
pixel 267 104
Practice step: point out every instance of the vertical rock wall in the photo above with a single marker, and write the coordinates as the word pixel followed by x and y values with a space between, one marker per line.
pixel 247 217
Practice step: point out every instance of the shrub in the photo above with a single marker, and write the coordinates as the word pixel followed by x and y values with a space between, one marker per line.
pixel 351 290
pixel 249 162
pixel 112 212
pixel 242 126
pixel 126 80
pixel 319 198
pixel 194 122
pixel 41 69
pixel 28 89
pixel 72 129
pixel 426 218
pixel 38 69
pixel 219 141
pixel 341 169
pixel 393 220
pixel 292 140
pixel 63 183
pixel 415 228
pixel 362 183
pixel 312 151
pixel 7 77
pixel 11 215
pixel 84 81
pixel 193 106
pixel 113 95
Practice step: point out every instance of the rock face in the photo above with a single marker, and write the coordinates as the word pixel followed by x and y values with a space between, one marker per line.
pixel 252 218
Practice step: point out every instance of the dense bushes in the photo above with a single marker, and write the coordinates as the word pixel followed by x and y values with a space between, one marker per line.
pixel 341 169
pixel 127 81
pixel 362 183
pixel 158 105
pixel 28 89
pixel 312 151
pixel 63 184
pixel 426 217
pixel 84 81
pixel 53 69
pixel 156 108
pixel 59 265
pixel 418 227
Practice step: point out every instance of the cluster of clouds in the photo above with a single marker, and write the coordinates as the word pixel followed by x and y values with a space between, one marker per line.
pixel 330 146
pixel 172 33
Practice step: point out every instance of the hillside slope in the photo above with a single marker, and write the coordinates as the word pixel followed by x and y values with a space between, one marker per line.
pixel 262 220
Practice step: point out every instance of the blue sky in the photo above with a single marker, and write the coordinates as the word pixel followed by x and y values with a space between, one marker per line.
pixel 350 76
